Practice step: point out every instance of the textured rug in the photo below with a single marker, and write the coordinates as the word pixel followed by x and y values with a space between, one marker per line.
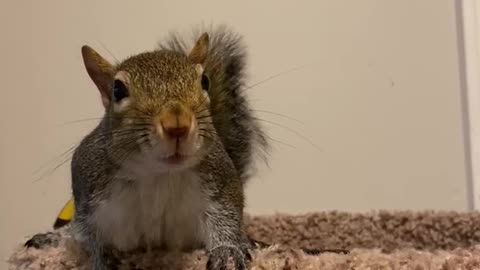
pixel 376 240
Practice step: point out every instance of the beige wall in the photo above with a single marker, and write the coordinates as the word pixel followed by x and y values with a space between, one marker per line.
pixel 380 97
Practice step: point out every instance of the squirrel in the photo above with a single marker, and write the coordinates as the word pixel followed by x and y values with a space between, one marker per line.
pixel 167 165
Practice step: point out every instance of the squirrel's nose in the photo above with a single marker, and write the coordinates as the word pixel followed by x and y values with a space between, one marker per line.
pixel 176 132
pixel 176 122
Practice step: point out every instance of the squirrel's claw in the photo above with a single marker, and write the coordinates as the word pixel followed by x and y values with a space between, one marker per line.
pixel 218 258
pixel 43 239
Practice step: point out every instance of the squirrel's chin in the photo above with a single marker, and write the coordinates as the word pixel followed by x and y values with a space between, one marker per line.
pixel 175 159
pixel 178 163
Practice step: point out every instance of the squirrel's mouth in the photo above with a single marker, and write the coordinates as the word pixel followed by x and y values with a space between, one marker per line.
pixel 177 152
pixel 176 158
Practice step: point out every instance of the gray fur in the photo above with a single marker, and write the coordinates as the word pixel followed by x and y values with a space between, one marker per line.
pixel 114 174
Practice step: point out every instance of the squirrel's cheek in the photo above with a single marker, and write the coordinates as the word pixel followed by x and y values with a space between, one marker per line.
pixel 193 132
pixel 128 121
pixel 119 107
pixel 192 142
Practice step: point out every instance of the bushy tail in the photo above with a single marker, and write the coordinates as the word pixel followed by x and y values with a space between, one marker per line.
pixel 232 116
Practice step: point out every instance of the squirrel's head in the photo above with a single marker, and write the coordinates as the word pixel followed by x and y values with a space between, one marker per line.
pixel 157 104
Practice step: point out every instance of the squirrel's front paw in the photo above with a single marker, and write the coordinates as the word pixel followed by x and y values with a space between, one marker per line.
pixel 42 240
pixel 218 257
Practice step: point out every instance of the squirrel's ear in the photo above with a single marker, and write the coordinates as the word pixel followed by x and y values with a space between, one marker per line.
pixel 200 51
pixel 100 71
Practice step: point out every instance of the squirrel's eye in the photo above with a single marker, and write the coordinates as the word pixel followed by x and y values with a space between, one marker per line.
pixel 205 82
pixel 120 91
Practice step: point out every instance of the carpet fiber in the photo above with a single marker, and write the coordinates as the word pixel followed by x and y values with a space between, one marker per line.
pixel 376 240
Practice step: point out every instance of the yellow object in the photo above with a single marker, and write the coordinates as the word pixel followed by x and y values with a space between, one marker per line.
pixel 65 215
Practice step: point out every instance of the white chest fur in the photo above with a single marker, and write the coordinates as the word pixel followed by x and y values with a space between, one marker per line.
pixel 163 210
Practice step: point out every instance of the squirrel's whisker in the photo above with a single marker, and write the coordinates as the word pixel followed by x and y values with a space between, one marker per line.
pixel 291 130
pixel 200 104
pixel 274 76
pixel 206 137
pixel 65 156
pixel 201 111
pixel 121 146
pixel 198 117
pixel 134 146
pixel 124 130
pixel 119 135
pixel 278 114
pixel 100 118
pixel 280 142
pixel 203 117
pixel 204 122
pixel 66 152
pixel 149 114
pixel 210 130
